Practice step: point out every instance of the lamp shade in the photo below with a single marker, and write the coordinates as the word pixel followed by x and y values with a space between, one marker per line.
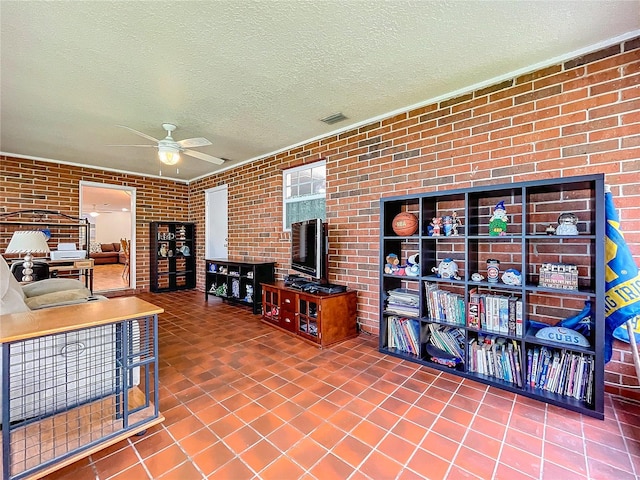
pixel 28 241
pixel 168 155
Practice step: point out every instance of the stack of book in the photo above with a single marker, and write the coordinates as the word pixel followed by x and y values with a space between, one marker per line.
pixel 444 306
pixel 561 371
pixel 495 313
pixel 403 302
pixel 447 339
pixel 404 334
pixel 496 357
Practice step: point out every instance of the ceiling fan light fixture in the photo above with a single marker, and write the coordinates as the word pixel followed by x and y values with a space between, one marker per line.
pixel 94 213
pixel 168 155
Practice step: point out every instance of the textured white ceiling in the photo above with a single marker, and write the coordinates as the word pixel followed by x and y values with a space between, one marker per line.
pixel 254 77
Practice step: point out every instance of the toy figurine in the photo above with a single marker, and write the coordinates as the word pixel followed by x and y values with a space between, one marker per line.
pixel 391 266
pixel 498 221
pixel 456 223
pixel 477 277
pixel 567 224
pixel 435 227
pixel 249 297
pixel 447 225
pixel 551 230
pixel 447 269
pixel 511 276
pixel 413 266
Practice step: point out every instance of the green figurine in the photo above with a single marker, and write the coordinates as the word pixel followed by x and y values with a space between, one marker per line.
pixel 498 221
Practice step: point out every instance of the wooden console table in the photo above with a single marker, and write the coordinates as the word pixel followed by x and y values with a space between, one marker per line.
pixel 84 266
pixel 99 359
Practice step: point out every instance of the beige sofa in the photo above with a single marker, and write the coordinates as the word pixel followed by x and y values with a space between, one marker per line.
pixel 107 253
pixel 51 292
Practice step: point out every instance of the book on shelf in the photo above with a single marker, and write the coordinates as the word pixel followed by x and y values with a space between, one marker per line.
pixel 495 357
pixel 545 369
pixel 503 315
pixel 444 306
pixel 404 302
pixel 561 371
pixel 447 339
pixel 518 354
pixel 473 315
pixel 499 314
pixel 403 334
pixel 511 311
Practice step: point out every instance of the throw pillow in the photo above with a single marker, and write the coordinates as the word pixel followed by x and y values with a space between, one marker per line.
pixel 107 247
pixel 57 299
pixel 94 247
pixel 52 285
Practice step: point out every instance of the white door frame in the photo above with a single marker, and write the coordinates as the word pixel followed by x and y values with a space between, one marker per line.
pixel 208 217
pixel 132 211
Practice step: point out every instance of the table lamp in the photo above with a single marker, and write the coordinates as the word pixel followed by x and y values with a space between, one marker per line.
pixel 28 242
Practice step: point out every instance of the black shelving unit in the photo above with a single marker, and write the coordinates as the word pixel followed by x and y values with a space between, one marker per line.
pixel 525 246
pixel 237 281
pixel 172 262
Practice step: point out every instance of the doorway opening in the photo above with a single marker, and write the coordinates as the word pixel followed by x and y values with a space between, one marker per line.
pixel 111 211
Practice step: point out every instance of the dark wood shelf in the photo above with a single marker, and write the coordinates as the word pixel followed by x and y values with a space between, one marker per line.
pixel 531 207
pixel 170 269
pixel 245 277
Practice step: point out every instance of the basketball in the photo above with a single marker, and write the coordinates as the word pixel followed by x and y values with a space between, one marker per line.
pixel 405 224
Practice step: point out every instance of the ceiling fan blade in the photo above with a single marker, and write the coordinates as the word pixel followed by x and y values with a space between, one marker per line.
pixel 194 142
pixel 204 156
pixel 153 146
pixel 144 135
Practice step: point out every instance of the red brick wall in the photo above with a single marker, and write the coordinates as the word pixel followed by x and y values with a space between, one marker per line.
pixel 577 118
pixel 28 184
pixel 580 117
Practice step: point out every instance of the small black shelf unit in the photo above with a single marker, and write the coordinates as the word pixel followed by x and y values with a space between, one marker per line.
pixel 237 281
pixel 173 265
pixel 445 309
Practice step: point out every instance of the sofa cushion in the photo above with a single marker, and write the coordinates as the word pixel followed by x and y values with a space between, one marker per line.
pixel 107 247
pixel 57 299
pixel 51 285
pixel 116 246
pixel 95 247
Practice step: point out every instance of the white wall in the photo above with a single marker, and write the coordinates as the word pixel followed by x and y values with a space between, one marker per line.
pixel 111 227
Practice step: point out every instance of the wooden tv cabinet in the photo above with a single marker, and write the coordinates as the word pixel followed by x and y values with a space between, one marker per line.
pixel 318 318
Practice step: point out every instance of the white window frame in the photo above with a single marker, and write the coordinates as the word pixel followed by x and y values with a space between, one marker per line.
pixel 312 196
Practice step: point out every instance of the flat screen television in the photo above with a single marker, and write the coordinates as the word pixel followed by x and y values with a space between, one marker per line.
pixel 309 248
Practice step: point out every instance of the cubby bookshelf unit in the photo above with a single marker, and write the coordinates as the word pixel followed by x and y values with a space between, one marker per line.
pixel 173 265
pixel 509 355
pixel 237 281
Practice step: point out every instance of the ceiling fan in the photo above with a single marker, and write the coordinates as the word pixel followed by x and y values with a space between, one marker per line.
pixel 96 211
pixel 169 150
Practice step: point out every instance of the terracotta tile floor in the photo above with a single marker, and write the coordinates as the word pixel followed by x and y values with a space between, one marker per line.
pixel 243 400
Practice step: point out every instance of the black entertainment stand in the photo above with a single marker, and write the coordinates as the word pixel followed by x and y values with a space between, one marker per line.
pixel 237 281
